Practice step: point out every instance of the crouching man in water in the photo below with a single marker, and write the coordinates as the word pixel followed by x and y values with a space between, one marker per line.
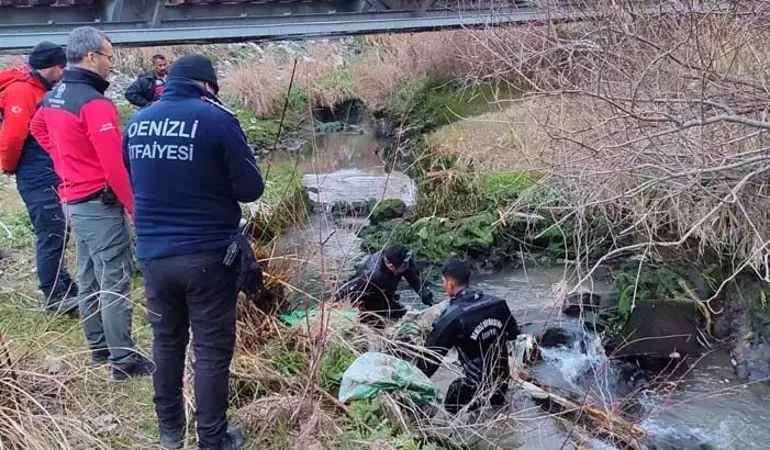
pixel 190 166
pixel 374 287
pixel 478 326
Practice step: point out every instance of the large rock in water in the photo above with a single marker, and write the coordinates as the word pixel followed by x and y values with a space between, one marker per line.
pixel 660 329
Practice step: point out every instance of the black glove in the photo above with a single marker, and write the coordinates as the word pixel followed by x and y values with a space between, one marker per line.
pixel 250 280
pixel 427 297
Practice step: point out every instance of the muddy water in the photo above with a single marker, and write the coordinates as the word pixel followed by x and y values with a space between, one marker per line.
pixel 711 409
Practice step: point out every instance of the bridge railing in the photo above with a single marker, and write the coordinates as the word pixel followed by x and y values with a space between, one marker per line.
pixel 148 22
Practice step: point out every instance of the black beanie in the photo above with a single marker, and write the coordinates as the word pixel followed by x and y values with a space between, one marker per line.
pixel 398 254
pixel 195 67
pixel 47 54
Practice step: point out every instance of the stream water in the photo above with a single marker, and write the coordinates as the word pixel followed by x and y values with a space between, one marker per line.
pixel 709 408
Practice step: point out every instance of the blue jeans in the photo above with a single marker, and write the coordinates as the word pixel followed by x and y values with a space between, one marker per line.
pixel 199 292
pixel 45 212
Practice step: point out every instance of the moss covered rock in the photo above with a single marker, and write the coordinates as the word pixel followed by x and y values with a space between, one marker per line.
pixel 435 239
pixel 360 208
pixel 389 209
pixel 260 133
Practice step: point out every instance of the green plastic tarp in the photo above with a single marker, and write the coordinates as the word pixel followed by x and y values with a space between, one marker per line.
pixel 373 373
pixel 300 318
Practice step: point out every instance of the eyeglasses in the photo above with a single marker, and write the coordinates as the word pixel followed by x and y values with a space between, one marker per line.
pixel 110 58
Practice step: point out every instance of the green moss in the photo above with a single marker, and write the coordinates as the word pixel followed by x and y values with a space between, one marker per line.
pixel 259 132
pixel 464 194
pixel 436 239
pixel 425 105
pixel 387 209
pixel 649 283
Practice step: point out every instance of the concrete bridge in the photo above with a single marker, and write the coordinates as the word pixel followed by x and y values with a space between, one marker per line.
pixel 154 22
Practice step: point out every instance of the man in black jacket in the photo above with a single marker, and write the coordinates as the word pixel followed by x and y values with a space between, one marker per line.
pixel 148 87
pixel 374 287
pixel 188 183
pixel 478 326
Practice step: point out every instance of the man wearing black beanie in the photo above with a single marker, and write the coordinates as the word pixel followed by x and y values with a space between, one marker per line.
pixel 190 165
pixel 21 89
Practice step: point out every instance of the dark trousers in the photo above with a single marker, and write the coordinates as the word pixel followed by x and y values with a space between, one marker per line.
pixel 195 291
pixel 462 392
pixel 376 311
pixel 48 220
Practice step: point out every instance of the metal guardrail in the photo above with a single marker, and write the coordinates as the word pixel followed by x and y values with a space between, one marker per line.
pixel 151 22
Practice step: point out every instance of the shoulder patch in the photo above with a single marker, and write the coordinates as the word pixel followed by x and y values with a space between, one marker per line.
pixel 220 106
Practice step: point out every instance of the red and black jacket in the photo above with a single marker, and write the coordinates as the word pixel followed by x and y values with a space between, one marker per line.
pixel 21 89
pixel 78 126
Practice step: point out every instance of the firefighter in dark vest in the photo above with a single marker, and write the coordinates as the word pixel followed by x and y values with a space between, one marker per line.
pixel 478 326
pixel 190 165
pixel 373 288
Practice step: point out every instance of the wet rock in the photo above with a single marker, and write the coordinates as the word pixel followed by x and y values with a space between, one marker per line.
pixel 581 302
pixel 382 128
pixel 352 209
pixel 660 328
pixel 388 209
pixel 753 359
pixel 722 327
pixel 661 437
pixel 555 337
pixel 291 142
pixel 328 127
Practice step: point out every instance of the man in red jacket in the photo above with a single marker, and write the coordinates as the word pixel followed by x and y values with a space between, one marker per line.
pixel 78 126
pixel 21 89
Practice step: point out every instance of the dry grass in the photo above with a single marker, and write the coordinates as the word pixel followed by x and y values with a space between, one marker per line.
pixel 39 411
pixel 11 61
pixel 330 73
pixel 255 86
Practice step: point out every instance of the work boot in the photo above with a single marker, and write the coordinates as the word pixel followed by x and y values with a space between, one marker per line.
pixel 64 306
pixel 171 439
pixel 233 440
pixel 99 357
pixel 142 367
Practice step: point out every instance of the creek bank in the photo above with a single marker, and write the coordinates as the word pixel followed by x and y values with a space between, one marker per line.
pixel 650 317
pixel 460 214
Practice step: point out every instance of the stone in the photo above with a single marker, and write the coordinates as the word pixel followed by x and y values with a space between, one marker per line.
pixel 360 208
pixel 388 209
pixel 722 327
pixel 660 328
pixel 753 360
pixel 555 337
pixel 581 302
